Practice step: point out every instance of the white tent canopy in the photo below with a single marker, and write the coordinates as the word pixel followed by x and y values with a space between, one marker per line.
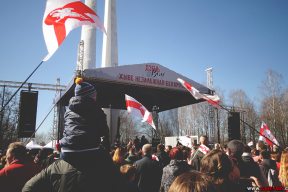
pixel 51 145
pixel 33 145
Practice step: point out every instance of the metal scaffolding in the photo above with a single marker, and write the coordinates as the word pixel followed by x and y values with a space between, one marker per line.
pixel 80 59
pixel 55 118
pixel 49 87
pixel 57 88
pixel 211 109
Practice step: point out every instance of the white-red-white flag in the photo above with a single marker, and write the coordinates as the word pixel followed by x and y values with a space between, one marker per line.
pixel 265 131
pixel 250 143
pixel 212 99
pixel 137 109
pixel 61 16
pixel 155 157
pixel 204 149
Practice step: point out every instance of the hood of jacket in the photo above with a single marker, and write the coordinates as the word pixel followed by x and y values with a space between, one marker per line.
pixel 83 124
pixel 83 106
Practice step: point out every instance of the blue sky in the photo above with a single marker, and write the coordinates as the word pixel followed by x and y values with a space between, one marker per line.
pixel 240 39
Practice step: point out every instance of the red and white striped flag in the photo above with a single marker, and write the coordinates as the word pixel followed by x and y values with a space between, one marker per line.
pixel 137 109
pixel 204 149
pixel 267 133
pixel 212 99
pixel 155 157
pixel 61 16
pixel 250 143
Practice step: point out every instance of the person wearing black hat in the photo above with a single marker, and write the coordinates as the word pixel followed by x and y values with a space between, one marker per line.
pixel 84 164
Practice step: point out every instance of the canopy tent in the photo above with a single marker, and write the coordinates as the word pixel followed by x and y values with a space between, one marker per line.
pixel 49 145
pixel 32 145
pixel 150 83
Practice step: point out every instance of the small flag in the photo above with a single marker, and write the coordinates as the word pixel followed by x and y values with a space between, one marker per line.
pixel 155 157
pixel 61 16
pixel 250 143
pixel 265 131
pixel 212 99
pixel 204 149
pixel 137 109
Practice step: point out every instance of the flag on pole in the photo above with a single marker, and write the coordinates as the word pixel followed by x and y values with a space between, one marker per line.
pixel 212 99
pixel 137 109
pixel 265 131
pixel 204 149
pixel 61 16
pixel 250 143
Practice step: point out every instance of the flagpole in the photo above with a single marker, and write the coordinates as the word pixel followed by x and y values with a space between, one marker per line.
pixel 242 120
pixel 21 86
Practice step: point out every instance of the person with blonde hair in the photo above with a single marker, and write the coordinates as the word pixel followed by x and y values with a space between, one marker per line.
pixel 201 151
pixel 119 157
pixel 224 172
pixel 193 181
pixel 283 172
pixel 129 172
pixel 20 169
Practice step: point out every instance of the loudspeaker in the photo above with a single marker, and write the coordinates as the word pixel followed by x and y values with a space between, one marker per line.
pixel 27 113
pixel 233 126
pixel 155 142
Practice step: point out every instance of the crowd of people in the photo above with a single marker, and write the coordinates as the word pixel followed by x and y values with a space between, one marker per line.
pixel 233 167
pixel 83 163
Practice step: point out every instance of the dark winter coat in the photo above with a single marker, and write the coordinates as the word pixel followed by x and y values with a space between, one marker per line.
pixel 246 169
pixel 173 170
pixel 131 158
pixel 86 172
pixel 131 187
pixel 49 160
pixel 85 123
pixel 164 159
pixel 148 175
pixel 265 165
pixel 259 174
pixel 196 158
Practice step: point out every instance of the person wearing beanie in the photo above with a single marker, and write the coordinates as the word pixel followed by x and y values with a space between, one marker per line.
pixel 84 165
pixel 85 121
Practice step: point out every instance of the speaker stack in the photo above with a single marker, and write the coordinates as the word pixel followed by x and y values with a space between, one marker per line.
pixel 233 126
pixel 27 113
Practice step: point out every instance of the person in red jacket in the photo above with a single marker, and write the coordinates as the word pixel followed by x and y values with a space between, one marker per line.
pixel 20 169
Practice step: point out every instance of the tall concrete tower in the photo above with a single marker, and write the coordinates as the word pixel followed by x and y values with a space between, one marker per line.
pixel 110 45
pixel 88 35
pixel 110 58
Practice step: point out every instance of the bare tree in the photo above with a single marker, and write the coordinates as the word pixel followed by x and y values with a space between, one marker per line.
pixel 9 119
pixel 284 114
pixel 271 106
pixel 240 100
pixel 222 117
pixel 128 126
